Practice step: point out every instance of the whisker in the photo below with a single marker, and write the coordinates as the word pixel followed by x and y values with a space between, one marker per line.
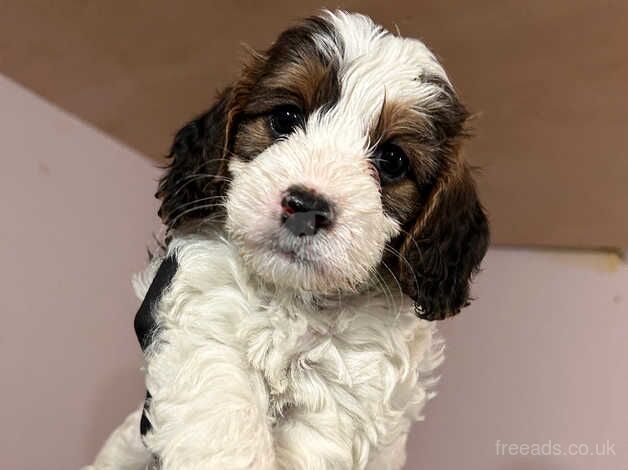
pixel 196 201
pixel 406 261
pixel 394 277
pixel 195 177
pixel 172 222
pixel 385 289
pixel 397 282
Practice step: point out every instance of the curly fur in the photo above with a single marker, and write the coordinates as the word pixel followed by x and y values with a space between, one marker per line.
pixel 269 380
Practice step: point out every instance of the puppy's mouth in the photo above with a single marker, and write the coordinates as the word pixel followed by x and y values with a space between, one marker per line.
pixel 300 250
pixel 291 256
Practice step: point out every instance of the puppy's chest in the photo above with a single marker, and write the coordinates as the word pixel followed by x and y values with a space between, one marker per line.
pixel 349 357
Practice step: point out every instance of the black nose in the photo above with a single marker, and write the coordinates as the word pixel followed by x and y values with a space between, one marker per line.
pixel 304 212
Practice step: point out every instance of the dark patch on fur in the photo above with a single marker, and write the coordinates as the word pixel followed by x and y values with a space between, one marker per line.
pixel 145 425
pixel 443 249
pixel 145 325
pixel 448 118
pixel 298 43
pixel 402 200
pixel 144 322
pixel 197 175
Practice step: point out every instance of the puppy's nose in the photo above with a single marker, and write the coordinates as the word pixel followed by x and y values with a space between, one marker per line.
pixel 304 212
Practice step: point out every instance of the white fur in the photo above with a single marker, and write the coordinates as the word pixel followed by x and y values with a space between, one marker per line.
pixel 262 362
pixel 245 377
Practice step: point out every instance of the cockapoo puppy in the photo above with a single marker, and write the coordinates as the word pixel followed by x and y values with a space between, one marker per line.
pixel 320 218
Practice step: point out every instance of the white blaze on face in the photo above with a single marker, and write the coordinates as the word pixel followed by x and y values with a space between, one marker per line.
pixel 331 157
pixel 336 258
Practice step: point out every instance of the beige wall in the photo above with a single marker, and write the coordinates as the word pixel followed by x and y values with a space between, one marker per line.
pixel 541 355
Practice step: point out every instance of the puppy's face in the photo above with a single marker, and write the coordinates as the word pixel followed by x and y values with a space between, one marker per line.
pixel 333 161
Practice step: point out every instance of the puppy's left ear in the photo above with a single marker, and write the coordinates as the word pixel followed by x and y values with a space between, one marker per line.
pixel 445 245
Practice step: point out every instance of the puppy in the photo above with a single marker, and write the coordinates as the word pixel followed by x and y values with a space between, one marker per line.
pixel 320 217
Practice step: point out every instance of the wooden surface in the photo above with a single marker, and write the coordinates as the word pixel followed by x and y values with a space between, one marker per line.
pixel 548 79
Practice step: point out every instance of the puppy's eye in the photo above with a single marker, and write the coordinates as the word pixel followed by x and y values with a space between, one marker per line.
pixel 284 119
pixel 391 162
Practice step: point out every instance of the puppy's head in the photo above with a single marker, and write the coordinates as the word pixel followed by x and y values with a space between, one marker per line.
pixel 334 161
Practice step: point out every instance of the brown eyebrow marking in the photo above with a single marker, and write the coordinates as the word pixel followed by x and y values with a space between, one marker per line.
pixel 309 84
pixel 295 69
pixel 263 100
pixel 398 118
pixel 409 128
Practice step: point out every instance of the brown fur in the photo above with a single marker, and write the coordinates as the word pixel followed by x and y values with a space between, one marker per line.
pixel 291 72
pixel 409 129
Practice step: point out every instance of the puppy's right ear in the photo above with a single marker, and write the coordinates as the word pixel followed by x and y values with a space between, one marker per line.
pixel 195 179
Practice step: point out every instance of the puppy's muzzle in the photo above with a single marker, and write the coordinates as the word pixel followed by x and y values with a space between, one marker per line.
pixel 304 212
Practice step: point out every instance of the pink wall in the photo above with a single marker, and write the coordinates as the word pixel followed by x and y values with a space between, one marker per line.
pixel 77 211
pixel 539 356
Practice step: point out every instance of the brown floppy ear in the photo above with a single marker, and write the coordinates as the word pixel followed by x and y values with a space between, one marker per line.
pixel 196 178
pixel 445 245
pixel 444 248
